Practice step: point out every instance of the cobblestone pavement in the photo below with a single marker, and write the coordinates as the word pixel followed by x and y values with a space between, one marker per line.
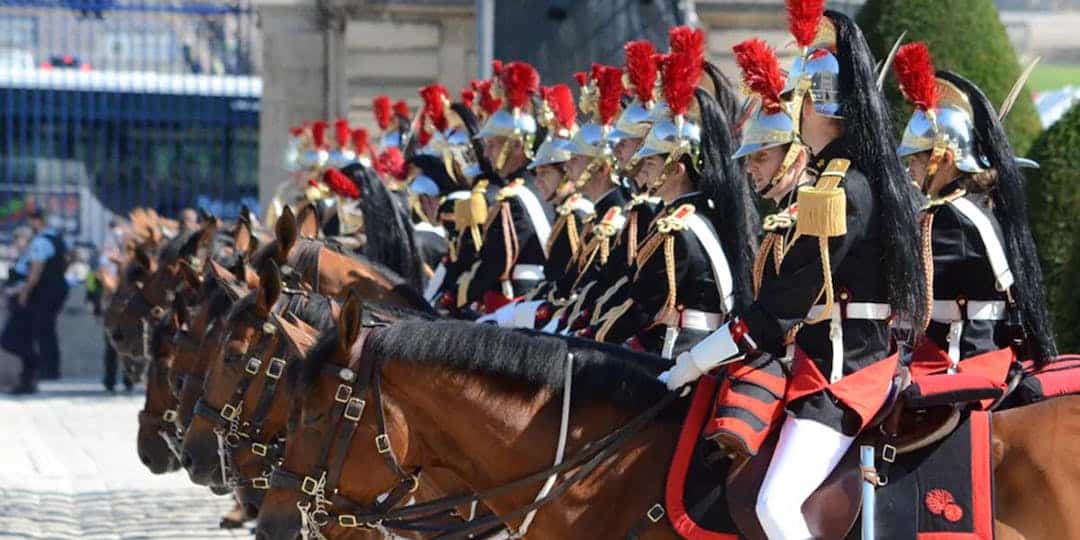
pixel 68 469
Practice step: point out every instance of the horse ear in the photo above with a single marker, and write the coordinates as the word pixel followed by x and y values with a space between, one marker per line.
pixel 190 276
pixel 299 336
pixel 269 284
pixel 239 269
pixel 190 247
pixel 286 233
pixel 350 321
pixel 242 237
pixel 143 261
pixel 308 221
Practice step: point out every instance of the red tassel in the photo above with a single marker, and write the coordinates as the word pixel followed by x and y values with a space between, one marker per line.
pixel 296 131
pixel 641 67
pixel 681 74
pixel 423 136
pixel 340 184
pixel 594 73
pixel 761 72
pixel 611 88
pixel 561 101
pixel 915 70
pixel 381 104
pixel 341 132
pixel 318 133
pixel 519 81
pixel 804 16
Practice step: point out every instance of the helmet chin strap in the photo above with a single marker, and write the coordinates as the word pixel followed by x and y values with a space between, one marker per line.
pixel 789 160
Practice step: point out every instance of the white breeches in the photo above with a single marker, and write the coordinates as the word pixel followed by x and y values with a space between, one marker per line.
pixel 806 454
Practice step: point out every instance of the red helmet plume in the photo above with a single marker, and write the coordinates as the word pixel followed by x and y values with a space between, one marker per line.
pixel 561 101
pixel 341 132
pixel 402 109
pixel 582 78
pixel 318 133
pixel 915 70
pixel 611 88
pixel 641 67
pixel 435 97
pixel 680 75
pixel 761 72
pixel 804 16
pixel 687 40
pixel 340 184
pixel 296 131
pixel 488 102
pixel 468 95
pixel 519 81
pixel 360 141
pixel 391 162
pixel 496 68
pixel 383 112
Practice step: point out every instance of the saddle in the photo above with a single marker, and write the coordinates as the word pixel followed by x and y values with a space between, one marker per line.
pixel 712 493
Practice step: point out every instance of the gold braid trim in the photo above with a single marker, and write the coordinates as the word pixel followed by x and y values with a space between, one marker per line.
pixel 927 222
pixel 823 213
pixel 604 298
pixel 572 234
pixel 611 317
pixel 557 228
pixel 647 248
pixel 762 257
pixel 631 236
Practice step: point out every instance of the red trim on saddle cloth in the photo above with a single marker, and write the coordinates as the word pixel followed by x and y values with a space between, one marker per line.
pixel 680 519
pixel 1059 377
pixel 767 413
pixel 994 365
pixel 493 301
pixel 982 503
pixel 863 391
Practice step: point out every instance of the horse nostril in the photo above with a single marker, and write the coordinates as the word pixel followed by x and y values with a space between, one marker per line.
pixel 186 460
pixel 144 459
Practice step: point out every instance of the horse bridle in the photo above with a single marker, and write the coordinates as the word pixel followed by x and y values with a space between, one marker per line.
pixel 354 382
pixel 230 431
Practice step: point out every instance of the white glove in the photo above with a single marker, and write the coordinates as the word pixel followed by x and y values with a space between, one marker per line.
pixel 684 372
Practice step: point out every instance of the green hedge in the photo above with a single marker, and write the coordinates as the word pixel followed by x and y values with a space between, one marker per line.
pixel 1054 203
pixel 964 36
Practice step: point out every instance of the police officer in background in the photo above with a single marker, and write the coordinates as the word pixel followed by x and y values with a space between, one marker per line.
pixel 40 298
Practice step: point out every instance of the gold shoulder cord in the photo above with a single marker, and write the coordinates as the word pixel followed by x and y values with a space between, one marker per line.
pixel 927 222
pixel 611 317
pixel 823 213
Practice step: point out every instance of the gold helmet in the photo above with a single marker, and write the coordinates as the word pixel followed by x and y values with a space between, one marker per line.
pixel 596 138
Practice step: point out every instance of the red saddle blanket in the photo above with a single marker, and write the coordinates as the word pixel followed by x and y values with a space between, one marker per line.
pixel 695 495
pixel 1059 377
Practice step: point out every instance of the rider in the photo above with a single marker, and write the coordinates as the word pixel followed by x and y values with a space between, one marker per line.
pixel 987 285
pixel 854 262
pixel 694 266
pixel 515 237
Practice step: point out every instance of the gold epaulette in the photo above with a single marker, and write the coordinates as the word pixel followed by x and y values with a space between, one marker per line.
pixel 567 207
pixel 939 201
pixel 675 221
pixel 823 214
pixel 510 190
pixel 606 228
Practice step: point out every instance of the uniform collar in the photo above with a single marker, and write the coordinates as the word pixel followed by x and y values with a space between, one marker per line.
pixel 833 150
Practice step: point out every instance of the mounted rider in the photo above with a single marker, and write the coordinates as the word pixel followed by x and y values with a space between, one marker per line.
pixel 693 267
pixel 515 235
pixel 988 307
pixel 853 264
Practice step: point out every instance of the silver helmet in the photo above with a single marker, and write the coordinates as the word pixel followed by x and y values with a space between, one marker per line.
pixel 948 126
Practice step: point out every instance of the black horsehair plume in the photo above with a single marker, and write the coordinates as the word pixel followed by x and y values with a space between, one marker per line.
pixel 1010 209
pixel 725 183
pixel 868 135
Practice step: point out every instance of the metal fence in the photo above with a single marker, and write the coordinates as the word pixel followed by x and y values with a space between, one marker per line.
pixel 560 37
pixel 110 104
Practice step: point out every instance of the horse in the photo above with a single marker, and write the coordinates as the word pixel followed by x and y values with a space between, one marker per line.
pixel 484 403
pixel 157 441
pixel 516 440
pixel 249 337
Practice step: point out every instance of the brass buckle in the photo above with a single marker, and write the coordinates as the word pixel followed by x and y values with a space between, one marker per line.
pixel 229 412
pixel 414 483
pixel 888 453
pixel 656 513
pixel 354 410
pixel 253 365
pixel 382 443
pixel 275 368
pixel 348 521
pixel 309 486
pixel 169 415
pixel 260 483
pixel 259 449
pixel 344 392
pixel 269 328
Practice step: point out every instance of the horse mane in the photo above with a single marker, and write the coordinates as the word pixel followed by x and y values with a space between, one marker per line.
pixel 170 251
pixel 219 301
pixel 312 308
pixel 601 372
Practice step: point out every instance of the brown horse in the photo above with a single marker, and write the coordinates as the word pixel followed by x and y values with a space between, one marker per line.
pixel 250 339
pixel 157 441
pixel 482 402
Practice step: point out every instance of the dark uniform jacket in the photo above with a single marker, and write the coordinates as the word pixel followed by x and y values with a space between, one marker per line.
pixel 573 215
pixel 664 284
pixel 494 261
